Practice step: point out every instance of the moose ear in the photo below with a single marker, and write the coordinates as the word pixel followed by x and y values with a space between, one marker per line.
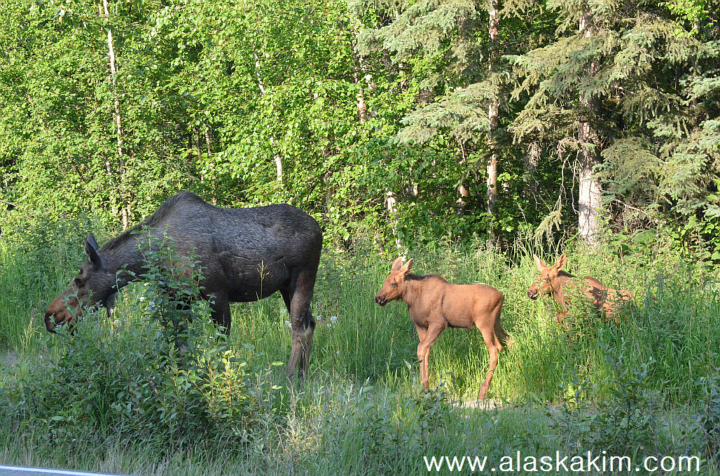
pixel 92 241
pixel 91 250
pixel 539 263
pixel 561 262
pixel 408 266
pixel 397 264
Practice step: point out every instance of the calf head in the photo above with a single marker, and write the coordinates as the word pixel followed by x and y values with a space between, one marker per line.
pixel 548 274
pixel 93 285
pixel 394 285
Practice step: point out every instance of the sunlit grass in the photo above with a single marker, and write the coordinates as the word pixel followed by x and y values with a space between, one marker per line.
pixel 358 340
pixel 363 376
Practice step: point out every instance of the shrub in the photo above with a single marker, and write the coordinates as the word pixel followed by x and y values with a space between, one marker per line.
pixel 709 419
pixel 158 371
pixel 387 432
pixel 623 424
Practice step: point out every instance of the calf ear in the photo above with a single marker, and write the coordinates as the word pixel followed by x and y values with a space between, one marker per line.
pixel 91 250
pixel 561 262
pixel 539 263
pixel 408 266
pixel 397 264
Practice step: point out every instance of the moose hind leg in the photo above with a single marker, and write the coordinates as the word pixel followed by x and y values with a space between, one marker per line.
pixel 297 299
pixel 494 347
pixel 221 313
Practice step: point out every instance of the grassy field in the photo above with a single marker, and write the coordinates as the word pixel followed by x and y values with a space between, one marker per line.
pixel 646 386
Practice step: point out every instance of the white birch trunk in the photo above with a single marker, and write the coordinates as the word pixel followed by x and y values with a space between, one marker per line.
pixel 362 108
pixel 276 157
pixel 125 210
pixel 390 203
pixel 493 26
pixel 589 191
pixel 359 69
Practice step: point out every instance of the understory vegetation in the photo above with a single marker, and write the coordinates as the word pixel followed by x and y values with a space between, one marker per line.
pixel 156 389
pixel 469 135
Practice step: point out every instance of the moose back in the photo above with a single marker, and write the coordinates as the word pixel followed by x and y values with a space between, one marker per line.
pixel 246 254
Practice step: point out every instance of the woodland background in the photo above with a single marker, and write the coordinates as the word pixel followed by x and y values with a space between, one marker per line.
pixel 467 135
pixel 422 119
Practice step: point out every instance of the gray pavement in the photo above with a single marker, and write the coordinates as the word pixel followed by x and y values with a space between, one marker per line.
pixel 23 471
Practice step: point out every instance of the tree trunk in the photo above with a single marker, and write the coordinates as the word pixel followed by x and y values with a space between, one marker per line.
pixel 359 68
pixel 208 141
pixel 492 196
pixel 125 209
pixel 278 163
pixel 392 212
pixel 276 157
pixel 590 191
pixel 361 106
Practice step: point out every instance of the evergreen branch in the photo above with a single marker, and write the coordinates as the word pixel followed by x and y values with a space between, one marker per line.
pixel 11 203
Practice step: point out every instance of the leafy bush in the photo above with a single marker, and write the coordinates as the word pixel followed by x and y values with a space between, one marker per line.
pixel 624 424
pixel 385 432
pixel 36 255
pixel 158 371
pixel 709 419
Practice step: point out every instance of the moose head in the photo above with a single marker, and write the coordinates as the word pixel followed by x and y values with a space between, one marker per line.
pixel 92 286
pixel 394 285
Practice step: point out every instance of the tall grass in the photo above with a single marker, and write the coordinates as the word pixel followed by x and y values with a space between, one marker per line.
pixel 360 410
pixel 34 267
pixel 675 331
pixel 673 325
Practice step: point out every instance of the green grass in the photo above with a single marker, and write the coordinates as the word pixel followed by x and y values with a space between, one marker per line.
pixel 360 410
pixel 677 333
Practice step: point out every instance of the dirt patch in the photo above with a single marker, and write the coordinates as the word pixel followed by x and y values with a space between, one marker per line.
pixel 481 404
pixel 8 359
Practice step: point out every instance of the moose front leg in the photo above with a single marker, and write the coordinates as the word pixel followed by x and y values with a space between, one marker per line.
pixel 494 348
pixel 427 338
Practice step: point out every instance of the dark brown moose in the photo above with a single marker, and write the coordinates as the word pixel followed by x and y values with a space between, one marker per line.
pixel 434 305
pixel 246 254
pixel 553 280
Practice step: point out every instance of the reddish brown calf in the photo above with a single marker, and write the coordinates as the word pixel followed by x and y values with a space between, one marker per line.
pixel 434 305
pixel 553 280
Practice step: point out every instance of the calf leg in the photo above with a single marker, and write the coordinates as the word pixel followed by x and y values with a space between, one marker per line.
pixel 297 299
pixel 427 338
pixel 421 332
pixel 494 347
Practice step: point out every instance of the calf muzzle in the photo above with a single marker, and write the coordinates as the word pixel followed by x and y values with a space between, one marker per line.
pixel 534 291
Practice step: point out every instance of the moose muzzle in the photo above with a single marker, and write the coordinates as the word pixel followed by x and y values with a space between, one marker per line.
pixel 533 291
pixel 58 313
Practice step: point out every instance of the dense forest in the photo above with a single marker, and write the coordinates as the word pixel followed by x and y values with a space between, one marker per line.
pixel 423 119
pixel 480 139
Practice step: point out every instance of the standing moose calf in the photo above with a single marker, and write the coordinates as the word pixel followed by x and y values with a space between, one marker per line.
pixel 246 254
pixel 553 280
pixel 434 305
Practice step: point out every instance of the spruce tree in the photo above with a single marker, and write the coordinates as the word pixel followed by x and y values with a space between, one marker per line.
pixel 465 97
pixel 628 84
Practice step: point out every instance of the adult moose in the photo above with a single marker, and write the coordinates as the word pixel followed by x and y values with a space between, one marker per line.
pixel 553 280
pixel 246 254
pixel 434 305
